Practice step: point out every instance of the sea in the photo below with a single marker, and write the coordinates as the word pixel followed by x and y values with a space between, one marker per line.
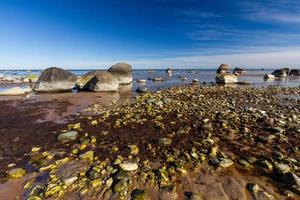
pixel 207 76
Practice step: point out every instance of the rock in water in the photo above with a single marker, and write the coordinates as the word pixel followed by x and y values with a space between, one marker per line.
pixel 223 69
pixel 295 72
pixel 55 79
pixel 281 72
pixel 238 71
pixel 226 78
pixel 102 82
pixel 141 90
pixel 123 72
pixel 269 76
pixel 16 91
pixel 67 137
pixel 169 72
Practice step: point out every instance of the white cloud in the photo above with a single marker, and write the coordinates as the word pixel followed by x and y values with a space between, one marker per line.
pixel 276 11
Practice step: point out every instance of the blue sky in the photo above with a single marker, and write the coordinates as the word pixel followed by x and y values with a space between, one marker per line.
pixel 158 33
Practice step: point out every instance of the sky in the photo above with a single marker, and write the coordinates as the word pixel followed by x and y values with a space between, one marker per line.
pixel 81 34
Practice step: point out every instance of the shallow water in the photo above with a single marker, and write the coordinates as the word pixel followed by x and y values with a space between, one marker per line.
pixel 254 76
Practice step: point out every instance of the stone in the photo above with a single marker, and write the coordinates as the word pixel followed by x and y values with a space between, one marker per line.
pixel 195 81
pixel 157 79
pixel 169 72
pixel 69 181
pixel 282 168
pixel 223 69
pixel 102 82
pixel 141 81
pixel 225 162
pixel 16 173
pixel 238 71
pixel 165 141
pixel 55 79
pixel 15 91
pixel 142 90
pixel 129 166
pixel 89 155
pixel 294 72
pixel 123 72
pixel 281 72
pixel 138 194
pixel 269 76
pixel 52 190
pixel 226 79
pixel 67 137
pixel 265 164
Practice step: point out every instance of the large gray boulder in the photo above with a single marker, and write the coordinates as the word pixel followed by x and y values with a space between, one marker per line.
pixel 226 79
pixel 102 82
pixel 123 72
pixel 223 69
pixel 55 79
pixel 83 80
pixel 295 72
pixel 284 72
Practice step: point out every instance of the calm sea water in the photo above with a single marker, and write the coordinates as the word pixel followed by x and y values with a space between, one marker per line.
pixel 255 76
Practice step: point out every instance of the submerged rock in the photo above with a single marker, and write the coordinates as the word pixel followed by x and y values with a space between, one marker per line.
pixel 55 79
pixel 122 71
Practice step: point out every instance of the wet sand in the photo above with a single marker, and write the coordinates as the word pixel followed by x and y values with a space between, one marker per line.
pixel 33 120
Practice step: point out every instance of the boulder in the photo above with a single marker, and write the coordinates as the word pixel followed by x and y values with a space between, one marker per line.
pixel 169 72
pixel 102 82
pixel 295 72
pixel 226 78
pixel 238 71
pixel 55 79
pixel 223 69
pixel 123 72
pixel 281 72
pixel 16 91
pixel 83 80
pixel 269 76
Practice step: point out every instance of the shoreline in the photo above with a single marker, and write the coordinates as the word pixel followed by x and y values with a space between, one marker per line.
pixel 173 121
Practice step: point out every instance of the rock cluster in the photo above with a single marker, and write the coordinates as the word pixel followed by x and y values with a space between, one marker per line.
pixel 56 79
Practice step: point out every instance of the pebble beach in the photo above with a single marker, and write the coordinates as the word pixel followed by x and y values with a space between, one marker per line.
pixel 185 137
